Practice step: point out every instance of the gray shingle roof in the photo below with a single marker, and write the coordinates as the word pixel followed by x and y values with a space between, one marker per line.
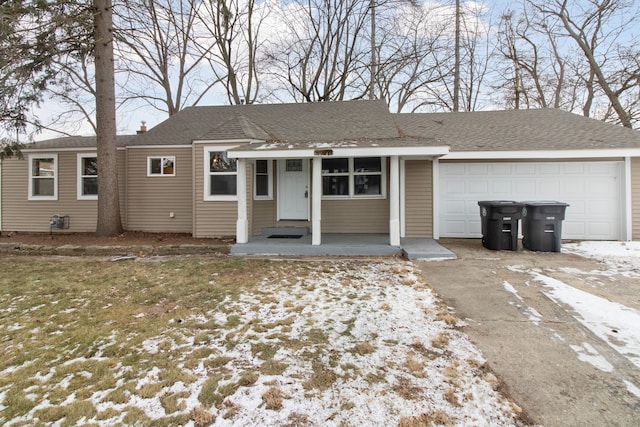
pixel 369 122
pixel 517 130
pixel 323 121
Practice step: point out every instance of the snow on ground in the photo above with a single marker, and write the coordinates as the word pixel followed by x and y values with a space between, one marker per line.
pixel 615 324
pixel 377 322
pixel 362 343
pixel 620 257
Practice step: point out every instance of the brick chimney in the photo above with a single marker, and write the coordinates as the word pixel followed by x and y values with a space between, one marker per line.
pixel 143 128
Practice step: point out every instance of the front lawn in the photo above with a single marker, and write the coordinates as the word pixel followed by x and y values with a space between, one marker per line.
pixel 231 341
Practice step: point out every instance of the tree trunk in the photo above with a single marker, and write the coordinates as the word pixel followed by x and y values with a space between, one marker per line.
pixel 109 222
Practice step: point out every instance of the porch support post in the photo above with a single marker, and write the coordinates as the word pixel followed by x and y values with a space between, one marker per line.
pixel 242 225
pixel 394 201
pixel 316 201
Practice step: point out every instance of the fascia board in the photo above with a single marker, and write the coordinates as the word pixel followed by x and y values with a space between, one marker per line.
pixel 542 154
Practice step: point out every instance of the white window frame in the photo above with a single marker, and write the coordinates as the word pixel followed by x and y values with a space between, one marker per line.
pixel 352 174
pixel 269 195
pixel 207 174
pixel 81 195
pixel 162 159
pixel 32 157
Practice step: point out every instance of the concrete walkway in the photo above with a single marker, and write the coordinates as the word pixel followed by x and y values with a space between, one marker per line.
pixel 534 344
pixel 341 245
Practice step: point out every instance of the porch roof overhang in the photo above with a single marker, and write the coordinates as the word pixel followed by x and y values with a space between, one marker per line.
pixel 413 147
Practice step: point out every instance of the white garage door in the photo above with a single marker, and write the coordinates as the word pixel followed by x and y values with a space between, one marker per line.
pixel 592 189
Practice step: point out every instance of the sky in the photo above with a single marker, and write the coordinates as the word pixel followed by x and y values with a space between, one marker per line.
pixel 131 117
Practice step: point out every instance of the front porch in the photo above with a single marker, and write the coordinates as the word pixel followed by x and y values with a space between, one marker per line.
pixel 342 245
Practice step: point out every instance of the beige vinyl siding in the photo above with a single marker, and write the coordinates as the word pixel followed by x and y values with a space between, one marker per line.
pixel 635 198
pixel 151 199
pixel 264 215
pixel 21 214
pixel 418 198
pixel 213 218
pixel 355 216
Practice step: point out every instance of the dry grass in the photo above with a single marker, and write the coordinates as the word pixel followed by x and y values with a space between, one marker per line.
pixel 450 396
pixel 414 366
pixel 363 348
pixel 86 333
pixel 272 398
pixel 201 417
pixel 406 389
pixel 442 340
pixel 431 419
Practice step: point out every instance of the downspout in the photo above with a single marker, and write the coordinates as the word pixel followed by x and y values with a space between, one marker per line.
pixel 403 202
pixel 436 198
pixel 316 201
pixel 242 225
pixel 394 201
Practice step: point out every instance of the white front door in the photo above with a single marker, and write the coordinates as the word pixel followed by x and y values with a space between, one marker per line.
pixel 293 189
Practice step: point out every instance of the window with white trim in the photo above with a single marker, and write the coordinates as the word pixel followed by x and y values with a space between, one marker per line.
pixel 220 174
pixel 354 177
pixel 161 166
pixel 43 177
pixel 87 176
pixel 262 183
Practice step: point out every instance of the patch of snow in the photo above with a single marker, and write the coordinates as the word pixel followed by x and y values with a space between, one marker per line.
pixel 46 377
pixel 633 389
pixel 588 354
pixel 151 377
pixel 620 257
pixel 614 323
pixel 531 313
pixel 14 327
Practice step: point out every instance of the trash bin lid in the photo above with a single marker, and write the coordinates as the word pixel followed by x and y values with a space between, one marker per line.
pixel 544 203
pixel 493 203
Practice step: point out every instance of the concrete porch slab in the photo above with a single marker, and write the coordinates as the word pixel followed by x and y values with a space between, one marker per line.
pixel 342 245
pixel 422 248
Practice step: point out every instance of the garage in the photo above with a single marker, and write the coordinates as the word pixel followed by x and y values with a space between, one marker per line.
pixel 593 189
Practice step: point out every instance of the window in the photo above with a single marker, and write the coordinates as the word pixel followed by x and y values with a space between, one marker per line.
pixel 220 175
pixel 353 177
pixel 43 177
pixel 262 182
pixel 367 176
pixel 161 166
pixel 335 177
pixel 87 177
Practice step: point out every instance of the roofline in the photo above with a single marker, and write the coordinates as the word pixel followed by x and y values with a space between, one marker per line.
pixel 49 149
pixel 543 154
pixel 309 153
pixel 228 141
pixel 39 150
pixel 159 146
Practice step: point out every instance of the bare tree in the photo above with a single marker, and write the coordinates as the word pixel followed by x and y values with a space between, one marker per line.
pixel 321 55
pixel 414 43
pixel 158 59
pixel 233 26
pixel 597 28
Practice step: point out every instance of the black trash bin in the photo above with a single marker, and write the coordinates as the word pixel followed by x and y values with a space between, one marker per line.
pixel 500 224
pixel 542 225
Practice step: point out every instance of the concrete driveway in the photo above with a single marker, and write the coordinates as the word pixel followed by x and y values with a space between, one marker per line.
pixel 551 364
